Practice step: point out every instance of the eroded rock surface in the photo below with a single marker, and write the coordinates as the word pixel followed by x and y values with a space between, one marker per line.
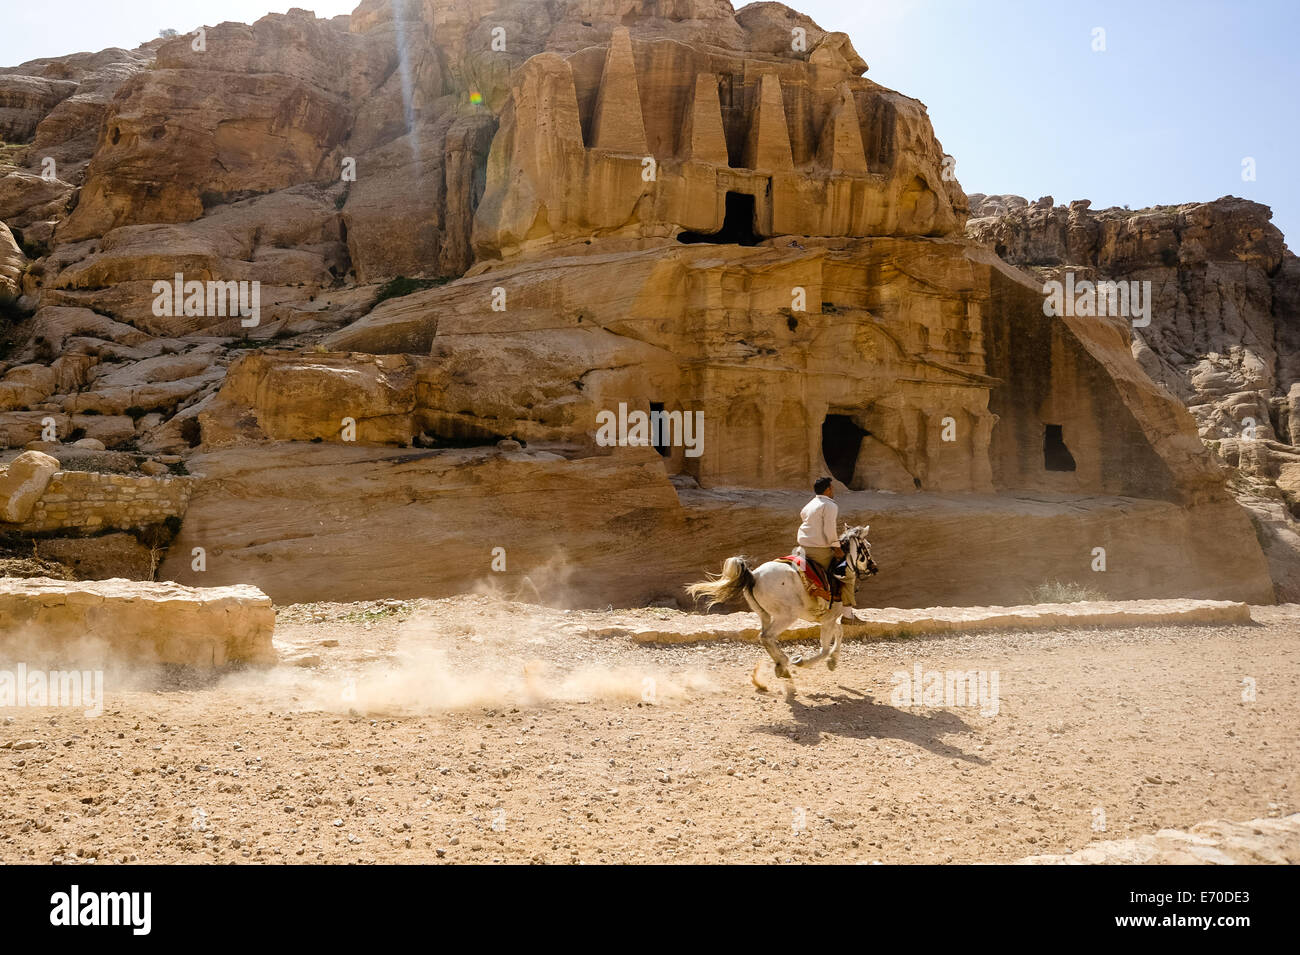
pixel 1224 332
pixel 23 482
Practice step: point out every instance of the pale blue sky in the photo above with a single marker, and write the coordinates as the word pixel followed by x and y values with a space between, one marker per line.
pixel 1183 92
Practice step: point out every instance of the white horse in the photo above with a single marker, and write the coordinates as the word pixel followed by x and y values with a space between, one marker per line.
pixel 775 592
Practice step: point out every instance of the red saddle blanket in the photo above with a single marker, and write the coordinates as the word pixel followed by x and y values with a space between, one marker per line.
pixel 813 577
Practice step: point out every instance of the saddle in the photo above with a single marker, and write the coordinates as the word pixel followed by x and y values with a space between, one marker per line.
pixel 816 579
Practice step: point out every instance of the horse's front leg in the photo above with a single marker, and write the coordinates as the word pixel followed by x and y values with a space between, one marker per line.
pixel 829 632
pixel 834 660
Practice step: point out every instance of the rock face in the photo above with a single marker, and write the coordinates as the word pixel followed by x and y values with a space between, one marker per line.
pixel 134 622
pixel 1217 842
pixel 578 155
pixel 1224 331
pixel 251 112
pixel 484 242
pixel 25 100
pixel 12 265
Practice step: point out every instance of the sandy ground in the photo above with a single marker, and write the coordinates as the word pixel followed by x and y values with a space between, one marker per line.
pixel 474 730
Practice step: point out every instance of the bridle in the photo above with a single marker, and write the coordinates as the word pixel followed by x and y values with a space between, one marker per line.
pixel 858 551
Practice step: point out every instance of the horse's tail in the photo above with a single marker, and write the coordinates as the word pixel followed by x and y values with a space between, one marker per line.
pixel 735 581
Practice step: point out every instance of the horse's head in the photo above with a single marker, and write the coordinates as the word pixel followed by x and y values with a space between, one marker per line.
pixel 857 550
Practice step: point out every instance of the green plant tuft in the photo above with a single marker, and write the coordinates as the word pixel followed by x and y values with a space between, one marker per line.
pixel 402 285
pixel 1059 592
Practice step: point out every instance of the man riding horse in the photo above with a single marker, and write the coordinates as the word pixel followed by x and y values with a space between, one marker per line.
pixel 819 537
pixel 779 592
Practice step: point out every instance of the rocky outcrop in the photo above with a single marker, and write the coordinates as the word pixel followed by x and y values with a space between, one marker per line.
pixel 1272 841
pixel 476 234
pixel 12 265
pixel 62 103
pixel 291 243
pixel 64 126
pixel 23 482
pixel 1223 333
pixel 254 110
pixel 25 101
pixel 116 622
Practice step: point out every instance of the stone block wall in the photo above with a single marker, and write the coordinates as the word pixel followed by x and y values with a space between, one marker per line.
pixel 89 501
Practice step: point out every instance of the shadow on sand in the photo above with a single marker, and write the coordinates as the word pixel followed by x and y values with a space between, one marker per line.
pixel 855 715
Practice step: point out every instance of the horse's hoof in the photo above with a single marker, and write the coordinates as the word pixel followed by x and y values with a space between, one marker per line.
pixel 832 663
pixel 783 672
pixel 796 660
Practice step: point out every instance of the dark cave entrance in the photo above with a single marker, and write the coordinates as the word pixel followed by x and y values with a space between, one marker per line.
pixel 660 436
pixel 841 441
pixel 737 225
pixel 1056 456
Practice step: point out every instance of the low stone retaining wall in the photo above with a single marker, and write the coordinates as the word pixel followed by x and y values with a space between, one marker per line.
pixel 135 622
pixel 37 498
pixel 84 500
pixel 744 627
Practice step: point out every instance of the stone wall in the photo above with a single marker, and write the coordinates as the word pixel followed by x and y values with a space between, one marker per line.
pixel 890 621
pixel 86 501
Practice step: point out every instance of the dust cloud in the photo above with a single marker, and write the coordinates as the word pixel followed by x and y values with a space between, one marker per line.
pixel 420 677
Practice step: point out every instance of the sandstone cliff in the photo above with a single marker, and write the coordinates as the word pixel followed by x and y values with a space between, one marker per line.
pixel 475 228
pixel 1224 332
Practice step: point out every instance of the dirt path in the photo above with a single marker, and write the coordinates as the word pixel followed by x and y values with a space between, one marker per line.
pixel 470 730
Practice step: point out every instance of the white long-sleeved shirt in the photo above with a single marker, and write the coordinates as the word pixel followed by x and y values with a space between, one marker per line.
pixel 820 518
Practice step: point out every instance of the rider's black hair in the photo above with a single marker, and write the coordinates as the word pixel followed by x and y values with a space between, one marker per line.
pixel 821 485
